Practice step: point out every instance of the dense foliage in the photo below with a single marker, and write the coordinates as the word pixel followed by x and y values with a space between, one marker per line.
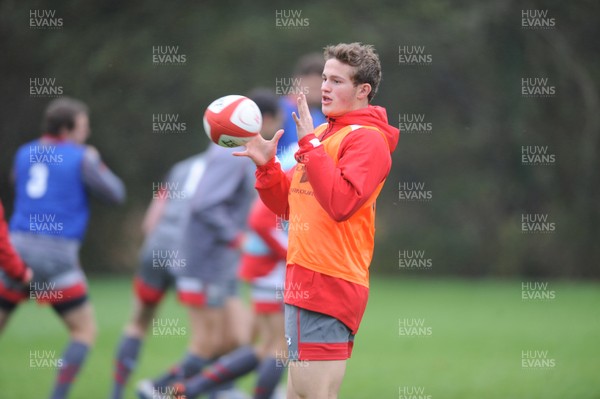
pixel 468 90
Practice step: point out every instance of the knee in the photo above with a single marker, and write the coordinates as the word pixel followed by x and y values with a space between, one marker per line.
pixel 85 332
pixel 141 320
pixel 206 345
pixel 136 329
pixel 233 340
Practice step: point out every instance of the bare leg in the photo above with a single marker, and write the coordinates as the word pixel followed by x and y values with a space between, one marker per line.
pixel 237 329
pixel 316 379
pixel 206 331
pixel 141 319
pixel 81 324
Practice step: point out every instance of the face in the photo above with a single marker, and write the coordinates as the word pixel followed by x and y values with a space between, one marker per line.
pixel 312 86
pixel 339 95
pixel 81 130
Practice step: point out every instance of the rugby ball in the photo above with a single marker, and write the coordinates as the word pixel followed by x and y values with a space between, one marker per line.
pixel 232 121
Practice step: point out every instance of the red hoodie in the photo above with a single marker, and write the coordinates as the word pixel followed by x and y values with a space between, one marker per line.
pixel 9 259
pixel 364 161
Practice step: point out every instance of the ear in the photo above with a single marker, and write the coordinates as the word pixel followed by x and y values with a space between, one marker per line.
pixel 63 131
pixel 363 91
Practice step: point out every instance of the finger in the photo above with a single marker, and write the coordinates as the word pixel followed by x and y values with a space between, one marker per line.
pixel 277 136
pixel 301 102
pixel 240 153
pixel 296 119
pixel 303 106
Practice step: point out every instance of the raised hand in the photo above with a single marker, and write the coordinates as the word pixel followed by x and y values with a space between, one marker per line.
pixel 304 122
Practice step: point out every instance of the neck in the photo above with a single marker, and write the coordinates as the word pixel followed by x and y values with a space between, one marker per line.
pixel 51 137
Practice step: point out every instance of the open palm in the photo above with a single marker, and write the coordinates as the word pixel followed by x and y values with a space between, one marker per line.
pixel 259 150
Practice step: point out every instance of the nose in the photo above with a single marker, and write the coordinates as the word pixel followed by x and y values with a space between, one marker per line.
pixel 325 87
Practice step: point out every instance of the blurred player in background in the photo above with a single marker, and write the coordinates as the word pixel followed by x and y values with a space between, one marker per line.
pixel 212 241
pixel 306 80
pixel 160 255
pixel 262 265
pixel 332 191
pixel 53 176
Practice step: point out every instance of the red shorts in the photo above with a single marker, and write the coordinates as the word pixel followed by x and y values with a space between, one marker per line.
pixel 316 336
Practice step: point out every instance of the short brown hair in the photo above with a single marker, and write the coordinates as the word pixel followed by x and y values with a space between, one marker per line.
pixel 61 113
pixel 364 59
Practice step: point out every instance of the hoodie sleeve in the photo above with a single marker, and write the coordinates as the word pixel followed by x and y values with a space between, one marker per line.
pixel 364 161
pixel 273 186
pixel 10 261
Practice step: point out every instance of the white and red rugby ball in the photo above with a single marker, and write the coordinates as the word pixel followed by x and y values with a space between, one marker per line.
pixel 233 120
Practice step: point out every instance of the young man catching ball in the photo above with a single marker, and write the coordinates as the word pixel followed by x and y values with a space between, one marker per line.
pixel 329 200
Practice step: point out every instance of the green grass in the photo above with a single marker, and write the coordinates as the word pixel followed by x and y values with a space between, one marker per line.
pixel 478 330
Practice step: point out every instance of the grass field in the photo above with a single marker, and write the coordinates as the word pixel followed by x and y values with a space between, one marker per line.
pixel 470 339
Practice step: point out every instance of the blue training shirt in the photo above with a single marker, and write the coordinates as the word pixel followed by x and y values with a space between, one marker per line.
pixel 50 192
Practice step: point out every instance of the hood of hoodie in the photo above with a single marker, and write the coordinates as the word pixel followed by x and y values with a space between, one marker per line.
pixel 373 115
